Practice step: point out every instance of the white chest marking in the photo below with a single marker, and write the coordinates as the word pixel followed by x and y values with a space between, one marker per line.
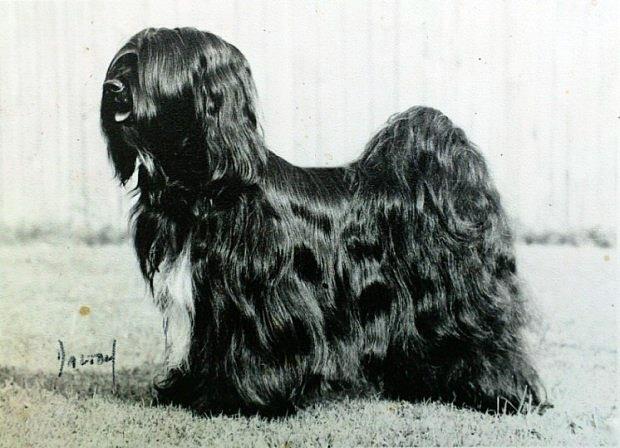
pixel 173 290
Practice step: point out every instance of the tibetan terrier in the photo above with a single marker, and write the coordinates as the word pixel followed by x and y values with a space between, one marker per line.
pixel 280 284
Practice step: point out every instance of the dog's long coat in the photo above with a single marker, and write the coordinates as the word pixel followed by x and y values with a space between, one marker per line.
pixel 280 283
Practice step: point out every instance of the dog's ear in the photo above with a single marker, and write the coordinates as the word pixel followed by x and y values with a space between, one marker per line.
pixel 226 104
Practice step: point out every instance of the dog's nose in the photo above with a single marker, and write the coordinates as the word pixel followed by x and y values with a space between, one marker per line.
pixel 113 86
pixel 118 98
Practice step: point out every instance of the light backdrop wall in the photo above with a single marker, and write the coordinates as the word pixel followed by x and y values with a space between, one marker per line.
pixel 534 84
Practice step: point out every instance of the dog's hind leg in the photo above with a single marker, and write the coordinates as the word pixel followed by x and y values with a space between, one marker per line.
pixel 458 316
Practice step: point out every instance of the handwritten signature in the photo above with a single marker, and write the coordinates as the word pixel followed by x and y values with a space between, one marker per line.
pixel 73 361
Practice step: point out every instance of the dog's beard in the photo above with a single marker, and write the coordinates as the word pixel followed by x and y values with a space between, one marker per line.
pixel 118 115
pixel 122 153
pixel 124 161
pixel 126 148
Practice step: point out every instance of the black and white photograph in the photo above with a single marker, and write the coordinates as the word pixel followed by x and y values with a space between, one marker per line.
pixel 309 223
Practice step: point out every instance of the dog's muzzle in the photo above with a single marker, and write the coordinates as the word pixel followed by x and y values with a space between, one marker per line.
pixel 119 97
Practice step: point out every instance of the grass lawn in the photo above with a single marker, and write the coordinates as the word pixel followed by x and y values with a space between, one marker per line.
pixel 87 297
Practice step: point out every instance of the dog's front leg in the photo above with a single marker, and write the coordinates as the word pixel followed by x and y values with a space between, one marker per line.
pixel 249 355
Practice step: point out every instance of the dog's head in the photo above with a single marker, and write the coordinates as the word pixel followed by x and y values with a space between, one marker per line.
pixel 181 102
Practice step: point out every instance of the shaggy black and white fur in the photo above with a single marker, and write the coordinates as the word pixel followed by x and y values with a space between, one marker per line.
pixel 279 284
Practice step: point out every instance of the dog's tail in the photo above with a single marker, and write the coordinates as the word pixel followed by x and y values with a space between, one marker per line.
pixel 440 217
pixel 420 154
pixel 437 208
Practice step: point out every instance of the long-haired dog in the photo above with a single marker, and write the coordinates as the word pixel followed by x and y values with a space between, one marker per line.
pixel 277 283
